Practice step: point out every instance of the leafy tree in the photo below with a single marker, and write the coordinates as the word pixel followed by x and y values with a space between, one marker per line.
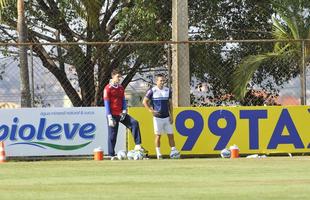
pixel 291 23
pixel 22 38
pixel 215 61
pixel 93 21
pixel 132 20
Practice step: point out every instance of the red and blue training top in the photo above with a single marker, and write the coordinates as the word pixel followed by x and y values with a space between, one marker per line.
pixel 114 99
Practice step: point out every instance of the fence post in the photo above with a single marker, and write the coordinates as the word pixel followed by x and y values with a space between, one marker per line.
pixel 23 59
pixel 303 76
pixel 180 54
pixel 169 65
pixel 31 76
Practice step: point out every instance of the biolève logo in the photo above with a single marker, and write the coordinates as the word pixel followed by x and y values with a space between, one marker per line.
pixel 44 131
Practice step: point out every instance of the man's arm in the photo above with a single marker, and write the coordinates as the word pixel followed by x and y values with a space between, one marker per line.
pixel 170 111
pixel 147 100
pixel 124 104
pixel 170 107
pixel 146 103
pixel 106 98
pixel 124 109
pixel 107 107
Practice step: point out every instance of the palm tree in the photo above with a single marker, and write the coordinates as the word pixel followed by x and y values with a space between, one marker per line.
pixel 295 32
pixel 22 38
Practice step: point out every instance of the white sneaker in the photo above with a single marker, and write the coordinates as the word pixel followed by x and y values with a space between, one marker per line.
pixel 114 158
pixel 175 154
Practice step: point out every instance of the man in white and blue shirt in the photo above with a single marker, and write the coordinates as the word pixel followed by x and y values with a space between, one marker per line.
pixel 158 100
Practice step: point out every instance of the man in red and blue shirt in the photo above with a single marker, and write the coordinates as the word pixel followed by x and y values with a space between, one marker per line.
pixel 116 111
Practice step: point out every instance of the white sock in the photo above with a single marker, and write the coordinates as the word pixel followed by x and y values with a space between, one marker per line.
pixel 173 148
pixel 158 151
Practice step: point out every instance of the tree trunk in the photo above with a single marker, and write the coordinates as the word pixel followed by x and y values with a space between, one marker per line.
pixel 59 52
pixel 24 73
pixel 131 73
pixel 86 81
pixel 103 79
pixel 59 74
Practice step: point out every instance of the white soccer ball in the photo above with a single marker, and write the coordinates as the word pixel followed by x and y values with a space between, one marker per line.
pixel 122 155
pixel 144 152
pixel 130 155
pixel 225 153
pixel 138 155
pixel 175 154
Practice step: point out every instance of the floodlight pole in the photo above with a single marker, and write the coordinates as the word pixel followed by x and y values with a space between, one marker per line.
pixel 180 54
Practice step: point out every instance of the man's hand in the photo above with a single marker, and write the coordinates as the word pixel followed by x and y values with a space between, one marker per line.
pixel 146 103
pixel 123 115
pixel 111 121
pixel 154 112
pixel 171 120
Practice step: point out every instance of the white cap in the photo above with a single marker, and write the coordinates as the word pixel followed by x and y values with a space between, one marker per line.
pixel 98 149
pixel 233 147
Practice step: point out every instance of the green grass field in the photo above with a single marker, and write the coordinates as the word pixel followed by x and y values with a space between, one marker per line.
pixel 269 178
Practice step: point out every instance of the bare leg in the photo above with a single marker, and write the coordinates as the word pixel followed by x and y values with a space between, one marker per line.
pixel 157 145
pixel 171 140
pixel 157 140
pixel 174 152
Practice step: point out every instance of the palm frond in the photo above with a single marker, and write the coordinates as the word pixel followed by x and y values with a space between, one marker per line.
pixel 279 31
pixel 244 73
pixel 88 10
pixel 3 4
pixel 281 47
pixel 93 9
pixel 291 24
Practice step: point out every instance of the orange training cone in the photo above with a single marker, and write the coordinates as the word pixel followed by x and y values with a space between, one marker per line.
pixel 2 152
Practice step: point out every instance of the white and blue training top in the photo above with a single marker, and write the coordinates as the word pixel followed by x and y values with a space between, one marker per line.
pixel 160 100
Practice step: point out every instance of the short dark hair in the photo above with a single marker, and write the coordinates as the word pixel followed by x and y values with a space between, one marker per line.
pixel 160 75
pixel 115 71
